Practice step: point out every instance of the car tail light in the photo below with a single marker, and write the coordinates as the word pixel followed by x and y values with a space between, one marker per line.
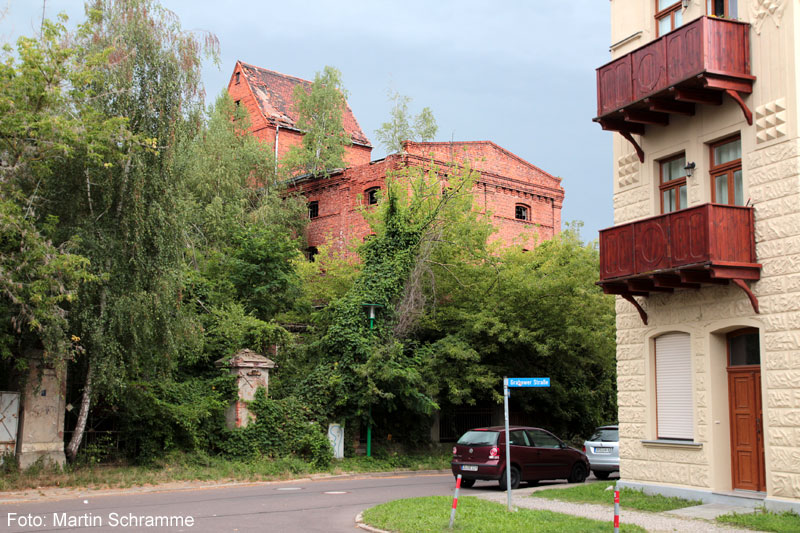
pixel 493 453
pixel 584 449
pixel 454 450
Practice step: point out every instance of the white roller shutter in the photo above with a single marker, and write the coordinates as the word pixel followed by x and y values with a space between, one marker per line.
pixel 674 387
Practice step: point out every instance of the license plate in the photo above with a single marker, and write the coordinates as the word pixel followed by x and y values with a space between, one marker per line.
pixel 469 468
pixel 602 450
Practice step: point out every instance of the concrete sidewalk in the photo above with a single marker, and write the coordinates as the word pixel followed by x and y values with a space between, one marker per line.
pixel 690 519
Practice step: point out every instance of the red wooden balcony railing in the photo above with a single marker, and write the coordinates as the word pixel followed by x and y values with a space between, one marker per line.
pixel 707 244
pixel 696 63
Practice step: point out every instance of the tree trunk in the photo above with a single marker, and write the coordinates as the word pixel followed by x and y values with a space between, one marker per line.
pixel 83 415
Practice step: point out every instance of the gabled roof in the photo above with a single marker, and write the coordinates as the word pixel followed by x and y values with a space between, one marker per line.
pixel 484 156
pixel 274 93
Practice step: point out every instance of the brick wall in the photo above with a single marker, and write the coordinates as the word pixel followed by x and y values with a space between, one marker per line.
pixel 339 198
pixel 264 129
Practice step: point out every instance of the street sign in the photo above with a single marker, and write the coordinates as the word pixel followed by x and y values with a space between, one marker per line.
pixel 507 383
pixel 528 382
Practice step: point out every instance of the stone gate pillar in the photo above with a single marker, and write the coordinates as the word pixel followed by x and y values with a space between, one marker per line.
pixel 251 371
pixel 41 422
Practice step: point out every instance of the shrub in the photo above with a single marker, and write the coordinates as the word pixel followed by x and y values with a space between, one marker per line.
pixel 281 428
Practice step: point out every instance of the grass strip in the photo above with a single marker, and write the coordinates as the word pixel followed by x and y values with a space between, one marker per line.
pixel 200 467
pixel 787 521
pixel 629 499
pixel 416 515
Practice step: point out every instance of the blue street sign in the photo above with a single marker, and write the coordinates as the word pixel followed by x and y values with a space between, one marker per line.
pixel 528 382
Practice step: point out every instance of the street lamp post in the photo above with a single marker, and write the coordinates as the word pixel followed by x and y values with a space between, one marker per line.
pixel 371 311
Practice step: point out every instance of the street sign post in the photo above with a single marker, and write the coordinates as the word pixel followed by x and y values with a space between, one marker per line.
pixel 516 383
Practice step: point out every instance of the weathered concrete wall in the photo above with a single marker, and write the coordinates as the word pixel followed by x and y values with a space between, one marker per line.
pixel 41 430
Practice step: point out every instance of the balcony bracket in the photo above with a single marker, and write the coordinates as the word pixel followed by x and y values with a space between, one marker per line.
pixel 748 115
pixel 746 289
pixel 639 151
pixel 642 313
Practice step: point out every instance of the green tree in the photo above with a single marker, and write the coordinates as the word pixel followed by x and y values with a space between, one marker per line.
pixel 120 203
pixel 241 228
pixel 351 369
pixel 320 112
pixel 44 118
pixel 400 128
pixel 539 314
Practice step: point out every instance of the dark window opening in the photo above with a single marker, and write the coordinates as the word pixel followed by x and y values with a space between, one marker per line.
pixel 238 102
pixel 313 209
pixel 372 195
pixel 237 77
pixel 743 348
pixel 521 212
pixel 311 252
pixel 722 8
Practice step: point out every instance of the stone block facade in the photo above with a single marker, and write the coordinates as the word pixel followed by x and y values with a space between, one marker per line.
pixel 770 166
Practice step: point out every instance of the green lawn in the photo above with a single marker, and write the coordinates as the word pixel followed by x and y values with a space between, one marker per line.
pixel 416 515
pixel 200 467
pixel 787 522
pixel 628 498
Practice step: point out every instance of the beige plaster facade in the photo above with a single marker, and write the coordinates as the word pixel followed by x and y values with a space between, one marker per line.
pixel 771 181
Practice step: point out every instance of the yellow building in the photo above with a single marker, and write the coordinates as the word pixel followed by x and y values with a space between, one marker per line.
pixel 705 253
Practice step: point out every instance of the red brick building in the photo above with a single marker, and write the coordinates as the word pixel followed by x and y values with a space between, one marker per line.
pixel 524 201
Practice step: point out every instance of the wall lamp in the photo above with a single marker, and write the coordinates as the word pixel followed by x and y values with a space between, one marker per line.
pixel 689 168
pixel 685 5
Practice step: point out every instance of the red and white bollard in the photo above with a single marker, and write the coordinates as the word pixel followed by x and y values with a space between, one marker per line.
pixel 455 501
pixel 616 511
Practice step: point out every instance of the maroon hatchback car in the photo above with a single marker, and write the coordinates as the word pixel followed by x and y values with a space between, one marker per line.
pixel 535 454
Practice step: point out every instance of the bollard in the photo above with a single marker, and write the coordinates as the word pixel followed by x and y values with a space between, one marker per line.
pixel 616 511
pixel 455 501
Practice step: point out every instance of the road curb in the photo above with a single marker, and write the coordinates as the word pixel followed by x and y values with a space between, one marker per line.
pixel 360 523
pixel 62 493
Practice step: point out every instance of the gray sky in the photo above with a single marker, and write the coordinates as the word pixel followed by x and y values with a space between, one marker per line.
pixel 518 73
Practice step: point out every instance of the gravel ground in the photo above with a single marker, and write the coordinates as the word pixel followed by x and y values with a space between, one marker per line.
pixel 652 522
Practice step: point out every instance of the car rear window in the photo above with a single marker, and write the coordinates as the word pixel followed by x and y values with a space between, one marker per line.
pixel 479 438
pixel 605 435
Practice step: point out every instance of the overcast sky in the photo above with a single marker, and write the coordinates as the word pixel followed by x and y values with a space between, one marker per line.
pixel 518 73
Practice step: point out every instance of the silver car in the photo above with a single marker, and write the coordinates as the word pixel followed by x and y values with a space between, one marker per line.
pixel 602 449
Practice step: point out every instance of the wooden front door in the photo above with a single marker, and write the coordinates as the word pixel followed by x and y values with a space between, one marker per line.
pixel 744 398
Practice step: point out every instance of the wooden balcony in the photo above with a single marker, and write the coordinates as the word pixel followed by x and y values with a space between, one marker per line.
pixel 694 64
pixel 707 244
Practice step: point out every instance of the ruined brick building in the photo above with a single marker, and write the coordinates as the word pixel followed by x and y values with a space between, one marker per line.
pixel 524 201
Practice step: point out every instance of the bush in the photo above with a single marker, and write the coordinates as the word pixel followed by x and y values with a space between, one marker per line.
pixel 281 428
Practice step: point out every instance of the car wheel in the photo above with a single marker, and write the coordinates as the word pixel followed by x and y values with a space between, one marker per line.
pixel 467 483
pixel 601 475
pixel 514 479
pixel 578 474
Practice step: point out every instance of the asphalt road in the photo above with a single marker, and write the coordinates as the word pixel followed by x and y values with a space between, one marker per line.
pixel 328 505
pixel 304 505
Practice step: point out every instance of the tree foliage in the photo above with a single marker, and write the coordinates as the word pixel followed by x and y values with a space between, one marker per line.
pixel 402 127
pixel 320 111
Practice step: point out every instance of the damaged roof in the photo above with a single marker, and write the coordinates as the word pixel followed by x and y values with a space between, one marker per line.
pixel 274 93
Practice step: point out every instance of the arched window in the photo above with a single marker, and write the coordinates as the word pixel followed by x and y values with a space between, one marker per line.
pixel 522 212
pixel 311 252
pixel 372 195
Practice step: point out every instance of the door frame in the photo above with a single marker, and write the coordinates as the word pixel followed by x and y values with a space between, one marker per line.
pixel 754 370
